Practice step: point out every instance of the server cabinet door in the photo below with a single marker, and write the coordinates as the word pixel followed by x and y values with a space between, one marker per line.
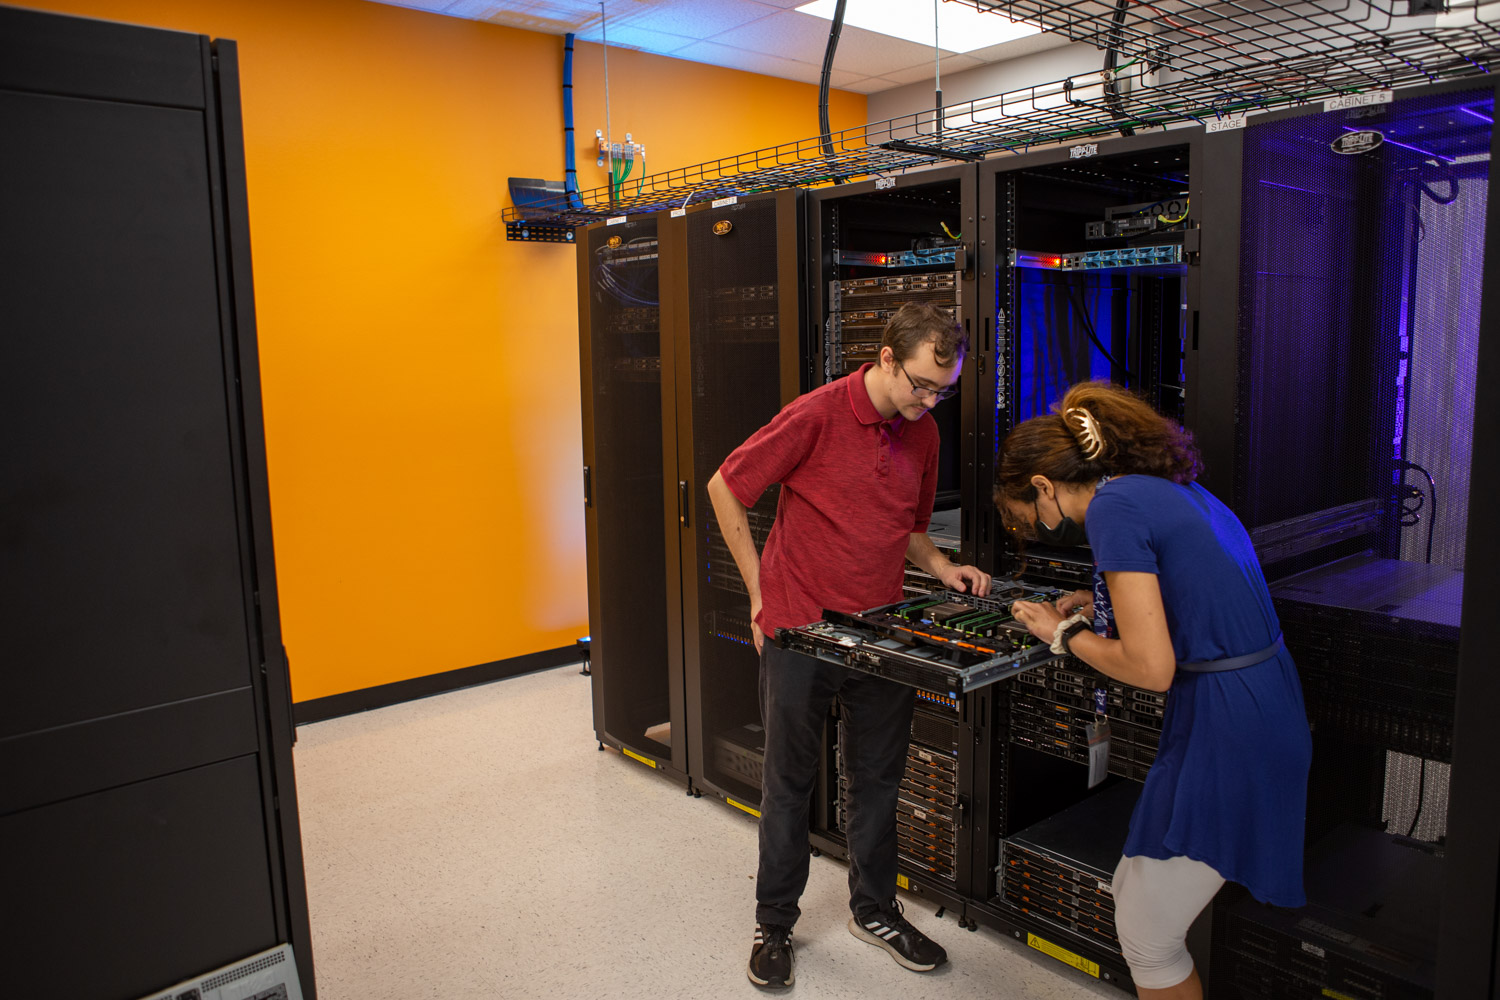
pixel 739 292
pixel 637 676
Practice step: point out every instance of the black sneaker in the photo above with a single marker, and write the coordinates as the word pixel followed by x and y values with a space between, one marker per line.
pixel 771 958
pixel 908 946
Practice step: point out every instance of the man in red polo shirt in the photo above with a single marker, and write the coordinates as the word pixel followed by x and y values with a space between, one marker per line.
pixel 857 461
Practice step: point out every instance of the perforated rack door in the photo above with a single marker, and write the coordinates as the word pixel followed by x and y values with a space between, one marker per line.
pixel 739 297
pixel 637 696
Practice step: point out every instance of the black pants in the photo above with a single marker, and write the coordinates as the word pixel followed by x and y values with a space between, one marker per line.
pixel 796 693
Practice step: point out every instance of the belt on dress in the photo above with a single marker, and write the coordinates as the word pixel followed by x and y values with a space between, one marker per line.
pixel 1233 662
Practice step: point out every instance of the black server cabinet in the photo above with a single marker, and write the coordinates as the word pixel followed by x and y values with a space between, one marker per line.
pixel 1088 263
pixel 1088 260
pixel 873 246
pixel 1340 399
pixel 625 352
pixel 148 812
pixel 732 280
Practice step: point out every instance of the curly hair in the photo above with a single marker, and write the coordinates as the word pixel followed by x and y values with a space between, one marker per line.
pixel 1099 429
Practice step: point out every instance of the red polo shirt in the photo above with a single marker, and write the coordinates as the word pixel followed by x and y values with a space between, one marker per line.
pixel 854 488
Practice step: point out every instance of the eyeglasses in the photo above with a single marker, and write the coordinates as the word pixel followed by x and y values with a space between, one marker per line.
pixel 923 392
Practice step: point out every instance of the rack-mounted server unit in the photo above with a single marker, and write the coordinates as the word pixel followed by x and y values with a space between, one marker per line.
pixel 953 649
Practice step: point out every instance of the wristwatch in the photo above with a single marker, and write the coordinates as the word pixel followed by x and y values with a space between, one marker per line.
pixel 1066 630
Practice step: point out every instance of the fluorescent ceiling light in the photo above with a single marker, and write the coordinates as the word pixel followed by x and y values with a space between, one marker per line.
pixel 960 27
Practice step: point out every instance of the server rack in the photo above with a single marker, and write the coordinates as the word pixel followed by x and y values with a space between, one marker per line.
pixel 628 396
pixel 149 808
pixel 880 243
pixel 874 245
pixel 1340 403
pixel 733 281
pixel 1089 260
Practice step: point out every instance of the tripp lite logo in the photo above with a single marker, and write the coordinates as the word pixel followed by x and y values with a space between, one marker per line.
pixel 1354 143
pixel 1088 149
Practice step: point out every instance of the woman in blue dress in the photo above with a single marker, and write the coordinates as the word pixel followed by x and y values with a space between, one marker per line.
pixel 1179 605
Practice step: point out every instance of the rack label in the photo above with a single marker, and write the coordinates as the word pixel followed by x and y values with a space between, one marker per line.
pixel 1087 149
pixel 1225 124
pixel 721 202
pixel 902 882
pixel 1359 100
pixel 678 213
pixel 881 183
pixel 635 756
pixel 1063 955
pixel 615 221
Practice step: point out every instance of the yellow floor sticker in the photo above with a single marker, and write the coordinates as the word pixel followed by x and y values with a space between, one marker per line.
pixel 744 808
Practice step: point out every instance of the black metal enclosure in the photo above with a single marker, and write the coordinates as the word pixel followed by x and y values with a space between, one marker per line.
pixel 690 340
pixel 627 389
pixel 149 811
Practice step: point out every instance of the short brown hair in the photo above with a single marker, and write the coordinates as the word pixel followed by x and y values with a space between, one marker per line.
pixel 916 323
pixel 1133 439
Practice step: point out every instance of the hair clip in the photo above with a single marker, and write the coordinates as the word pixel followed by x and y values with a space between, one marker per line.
pixel 1089 438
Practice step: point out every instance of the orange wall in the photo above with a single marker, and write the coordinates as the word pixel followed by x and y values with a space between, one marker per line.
pixel 421 373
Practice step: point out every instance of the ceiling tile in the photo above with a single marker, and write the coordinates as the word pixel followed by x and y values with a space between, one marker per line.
pixel 754 62
pixel 869 85
pixel 924 71
pixel 1021 47
pixel 630 36
pixel 805 38
pixel 697 19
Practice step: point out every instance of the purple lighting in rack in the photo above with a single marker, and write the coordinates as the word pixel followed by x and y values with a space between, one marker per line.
pixel 1484 118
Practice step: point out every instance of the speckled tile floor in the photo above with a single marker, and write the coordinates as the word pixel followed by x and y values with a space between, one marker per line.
pixel 476 844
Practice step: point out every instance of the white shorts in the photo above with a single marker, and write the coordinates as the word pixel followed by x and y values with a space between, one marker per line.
pixel 1155 903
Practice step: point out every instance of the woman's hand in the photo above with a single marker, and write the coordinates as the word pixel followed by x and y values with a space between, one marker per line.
pixel 1041 619
pixel 1078 600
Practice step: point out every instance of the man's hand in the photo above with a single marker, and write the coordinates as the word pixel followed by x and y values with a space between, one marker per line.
pixel 1042 619
pixel 755 632
pixel 966 579
pixel 1078 600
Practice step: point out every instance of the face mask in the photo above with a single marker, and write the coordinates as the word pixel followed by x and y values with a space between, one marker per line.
pixel 1067 535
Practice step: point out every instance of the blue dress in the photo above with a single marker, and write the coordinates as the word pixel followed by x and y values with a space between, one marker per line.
pixel 1229 785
